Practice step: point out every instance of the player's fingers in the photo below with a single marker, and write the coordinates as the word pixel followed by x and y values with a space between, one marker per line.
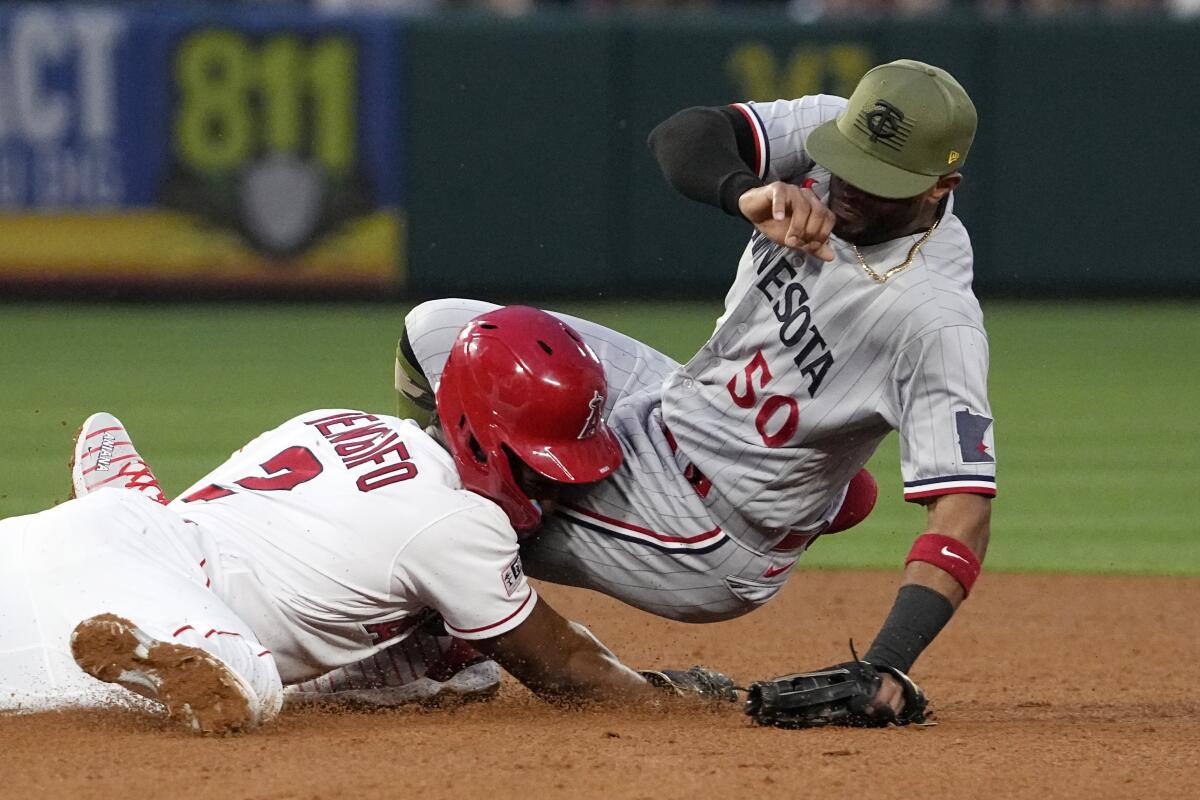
pixel 890 695
pixel 820 226
pixel 822 250
pixel 896 702
pixel 880 700
pixel 828 221
pixel 817 217
pixel 801 211
pixel 779 201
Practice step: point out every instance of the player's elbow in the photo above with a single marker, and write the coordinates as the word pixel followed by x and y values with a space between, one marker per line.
pixel 671 139
pixel 666 130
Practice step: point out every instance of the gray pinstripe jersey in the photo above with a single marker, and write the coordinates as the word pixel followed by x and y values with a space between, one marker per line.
pixel 812 364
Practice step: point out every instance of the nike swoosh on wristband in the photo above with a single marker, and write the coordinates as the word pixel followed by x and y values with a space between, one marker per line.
pixel 946 551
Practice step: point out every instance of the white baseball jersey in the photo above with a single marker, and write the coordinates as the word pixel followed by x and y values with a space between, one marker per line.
pixel 813 363
pixel 338 529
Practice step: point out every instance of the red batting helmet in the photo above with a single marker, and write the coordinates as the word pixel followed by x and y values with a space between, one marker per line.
pixel 521 380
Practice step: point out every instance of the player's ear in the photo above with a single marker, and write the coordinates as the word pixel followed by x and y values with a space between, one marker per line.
pixel 945 185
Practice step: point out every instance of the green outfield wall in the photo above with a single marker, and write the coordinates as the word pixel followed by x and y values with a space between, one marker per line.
pixel 529 170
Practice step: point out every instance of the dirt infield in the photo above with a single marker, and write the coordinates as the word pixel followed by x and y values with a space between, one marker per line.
pixel 1046 686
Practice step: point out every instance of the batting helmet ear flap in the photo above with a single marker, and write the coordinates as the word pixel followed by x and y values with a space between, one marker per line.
pixel 521 380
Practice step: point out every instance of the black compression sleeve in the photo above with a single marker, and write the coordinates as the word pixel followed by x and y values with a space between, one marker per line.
pixel 707 154
pixel 917 616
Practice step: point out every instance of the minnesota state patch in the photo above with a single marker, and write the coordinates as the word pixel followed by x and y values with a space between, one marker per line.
pixel 973 439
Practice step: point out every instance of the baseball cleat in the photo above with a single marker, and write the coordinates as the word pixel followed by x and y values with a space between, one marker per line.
pixel 106 458
pixel 460 676
pixel 196 688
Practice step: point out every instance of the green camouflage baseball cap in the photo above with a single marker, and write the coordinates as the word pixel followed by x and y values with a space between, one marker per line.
pixel 906 124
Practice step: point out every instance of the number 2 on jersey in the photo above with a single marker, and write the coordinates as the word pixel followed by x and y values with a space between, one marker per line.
pixel 285 470
pixel 771 405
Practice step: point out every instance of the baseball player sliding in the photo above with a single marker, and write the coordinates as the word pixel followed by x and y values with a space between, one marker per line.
pixel 851 315
pixel 319 544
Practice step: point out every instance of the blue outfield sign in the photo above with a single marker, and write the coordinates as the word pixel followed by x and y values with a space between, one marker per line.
pixel 247 146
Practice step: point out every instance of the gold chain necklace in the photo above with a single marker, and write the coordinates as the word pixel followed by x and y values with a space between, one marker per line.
pixel 912 252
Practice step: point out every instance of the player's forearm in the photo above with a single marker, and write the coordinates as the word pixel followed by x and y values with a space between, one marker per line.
pixel 701 156
pixel 938 576
pixel 560 660
pixel 965 518
pixel 587 671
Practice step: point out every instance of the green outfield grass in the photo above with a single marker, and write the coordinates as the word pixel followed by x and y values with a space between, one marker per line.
pixel 1098 435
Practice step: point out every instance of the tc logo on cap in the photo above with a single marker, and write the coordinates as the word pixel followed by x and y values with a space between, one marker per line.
pixel 885 123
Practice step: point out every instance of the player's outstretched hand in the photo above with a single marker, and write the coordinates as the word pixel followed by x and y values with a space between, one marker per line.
pixel 699 682
pixel 791 216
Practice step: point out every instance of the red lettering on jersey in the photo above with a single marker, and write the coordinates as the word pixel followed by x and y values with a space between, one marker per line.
pixel 369 432
pixel 210 492
pixel 371 438
pixel 767 415
pixel 376 456
pixel 787 428
pixel 749 398
pixel 285 470
pixel 386 476
pixel 344 419
pixel 363 443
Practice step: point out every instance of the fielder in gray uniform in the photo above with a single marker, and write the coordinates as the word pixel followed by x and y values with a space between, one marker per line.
pixel 851 316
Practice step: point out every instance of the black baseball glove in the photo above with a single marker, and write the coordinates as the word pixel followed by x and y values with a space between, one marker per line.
pixel 838 695
pixel 700 681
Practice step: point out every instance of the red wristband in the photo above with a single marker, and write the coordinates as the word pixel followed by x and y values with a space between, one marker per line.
pixel 947 554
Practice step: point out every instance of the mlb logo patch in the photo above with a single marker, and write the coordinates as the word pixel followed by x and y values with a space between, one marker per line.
pixel 974 437
pixel 511 576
